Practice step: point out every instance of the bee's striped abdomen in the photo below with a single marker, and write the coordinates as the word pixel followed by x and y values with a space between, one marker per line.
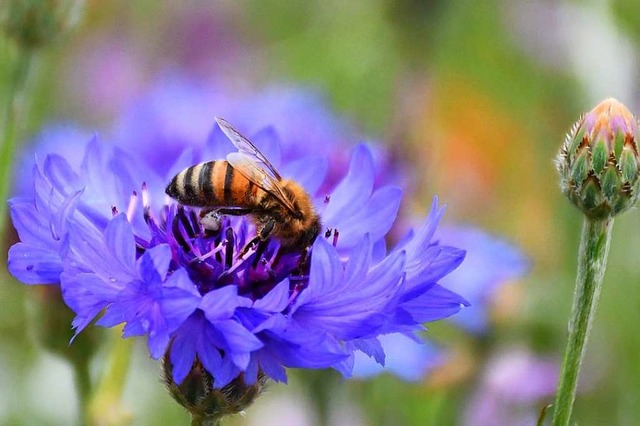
pixel 213 184
pixel 194 185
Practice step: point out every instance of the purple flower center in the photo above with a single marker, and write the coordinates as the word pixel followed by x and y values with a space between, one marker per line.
pixel 224 256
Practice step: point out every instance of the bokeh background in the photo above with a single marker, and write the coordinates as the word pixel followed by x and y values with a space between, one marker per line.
pixel 471 98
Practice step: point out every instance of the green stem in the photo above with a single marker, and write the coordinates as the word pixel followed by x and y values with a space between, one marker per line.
pixel 83 386
pixel 105 405
pixel 204 421
pixel 592 262
pixel 15 120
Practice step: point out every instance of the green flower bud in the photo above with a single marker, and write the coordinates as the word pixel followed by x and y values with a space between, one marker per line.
pixel 598 162
pixel 197 394
pixel 35 23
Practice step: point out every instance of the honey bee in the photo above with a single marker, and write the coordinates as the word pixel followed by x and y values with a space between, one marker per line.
pixel 246 183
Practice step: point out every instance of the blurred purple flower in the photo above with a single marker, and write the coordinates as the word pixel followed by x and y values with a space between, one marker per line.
pixel 176 114
pixel 490 263
pixel 406 358
pixel 513 389
pixel 104 231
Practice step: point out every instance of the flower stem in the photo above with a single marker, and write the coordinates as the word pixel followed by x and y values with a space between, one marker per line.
pixel 14 121
pixel 592 262
pixel 83 386
pixel 105 406
pixel 204 421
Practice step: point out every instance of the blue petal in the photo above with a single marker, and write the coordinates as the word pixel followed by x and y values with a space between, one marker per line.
pixel 371 347
pixel 180 298
pixel 30 224
pixel 432 264
pixel 489 264
pixel 59 220
pixel 405 358
pixel 359 260
pixel 352 309
pixel 421 240
pixel 309 172
pixel 273 368
pixel 153 265
pixel 34 265
pixel 221 303
pixel 120 241
pixel 324 274
pixel 183 352
pixel 158 342
pixel 251 372
pixel 435 304
pixel 354 190
pixel 238 338
pixel 276 300
pixel 217 146
pixel 374 218
pixel 61 176
pixel 85 291
pixel 268 142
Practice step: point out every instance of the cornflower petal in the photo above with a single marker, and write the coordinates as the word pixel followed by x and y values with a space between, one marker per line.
pixel 34 265
pixel 354 190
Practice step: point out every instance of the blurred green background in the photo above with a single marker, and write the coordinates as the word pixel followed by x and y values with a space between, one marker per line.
pixel 475 96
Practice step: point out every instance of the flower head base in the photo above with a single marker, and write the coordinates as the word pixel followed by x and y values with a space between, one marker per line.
pixel 598 162
pixel 198 395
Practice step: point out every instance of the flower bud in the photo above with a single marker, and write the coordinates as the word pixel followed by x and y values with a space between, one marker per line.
pixel 35 23
pixel 198 395
pixel 598 162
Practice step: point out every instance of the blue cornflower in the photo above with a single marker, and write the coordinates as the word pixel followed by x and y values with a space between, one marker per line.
pixel 123 253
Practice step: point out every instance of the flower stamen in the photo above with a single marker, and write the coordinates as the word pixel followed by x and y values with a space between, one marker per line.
pixel 131 208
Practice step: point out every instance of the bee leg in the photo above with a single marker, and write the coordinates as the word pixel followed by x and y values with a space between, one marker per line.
pixel 262 246
pixel 247 246
pixel 263 234
pixel 267 229
pixel 234 211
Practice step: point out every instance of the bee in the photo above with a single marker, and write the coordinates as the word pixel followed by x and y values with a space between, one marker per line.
pixel 246 183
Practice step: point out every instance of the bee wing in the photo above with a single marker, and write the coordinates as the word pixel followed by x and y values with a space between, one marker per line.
pixel 247 148
pixel 257 174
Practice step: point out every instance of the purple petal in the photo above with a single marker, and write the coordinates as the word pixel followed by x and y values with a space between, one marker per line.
pixel 435 304
pixel 433 264
pixel 221 303
pixel 268 142
pixel 273 368
pixel 183 352
pixel 374 218
pixel 405 358
pixel 34 265
pixel 61 176
pixel 309 172
pixel 180 298
pixel 154 263
pixel 30 224
pixel 120 241
pixel 158 342
pixel 354 190
pixel 238 338
pixel 324 274
pixel 276 300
